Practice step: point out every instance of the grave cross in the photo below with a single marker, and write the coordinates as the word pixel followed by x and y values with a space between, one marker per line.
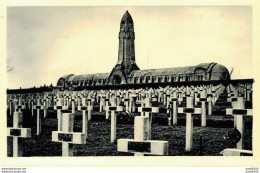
pixel 189 110
pixel 210 103
pixel 10 103
pixel 20 106
pixel 113 108
pixel 33 104
pixel 85 118
pixel 29 99
pixel 126 101
pixel 66 135
pixel 167 98
pixel 239 112
pixel 196 96
pixel 174 111
pixel 107 104
pixel 18 132
pixel 248 93
pixel 203 100
pixel 132 102
pixel 236 152
pixel 102 102
pixel 45 101
pixel 233 94
pixel 160 95
pixel 180 97
pixel 73 100
pixel 141 144
pixel 148 110
pixel 39 107
pixel 66 99
pixel 59 108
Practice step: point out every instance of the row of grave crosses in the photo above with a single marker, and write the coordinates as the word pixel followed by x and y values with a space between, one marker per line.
pixel 202 96
pixel 238 95
pixel 172 97
pixel 238 110
pixel 110 102
pixel 240 90
pixel 141 145
pixel 135 94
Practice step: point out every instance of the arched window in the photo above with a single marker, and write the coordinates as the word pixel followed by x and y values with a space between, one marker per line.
pixel 141 79
pixel 135 79
pixel 200 77
pixel 159 79
pixel 117 80
pixel 180 78
pixel 167 79
pixel 153 79
pixel 173 79
pixel 147 79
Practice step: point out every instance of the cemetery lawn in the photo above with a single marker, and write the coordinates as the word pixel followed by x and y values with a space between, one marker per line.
pixel 98 142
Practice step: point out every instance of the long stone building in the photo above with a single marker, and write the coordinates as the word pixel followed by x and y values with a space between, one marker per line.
pixel 126 70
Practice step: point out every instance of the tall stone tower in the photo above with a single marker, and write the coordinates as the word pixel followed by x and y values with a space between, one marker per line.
pixel 126 52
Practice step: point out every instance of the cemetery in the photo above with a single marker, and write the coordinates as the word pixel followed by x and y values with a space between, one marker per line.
pixel 142 122
pixel 183 111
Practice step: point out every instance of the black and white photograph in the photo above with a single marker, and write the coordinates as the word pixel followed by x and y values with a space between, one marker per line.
pixel 132 81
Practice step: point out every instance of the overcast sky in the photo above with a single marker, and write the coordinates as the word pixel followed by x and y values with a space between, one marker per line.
pixel 45 43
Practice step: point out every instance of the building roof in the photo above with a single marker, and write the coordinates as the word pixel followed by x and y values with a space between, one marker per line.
pixel 164 71
pixel 180 70
pixel 66 76
pixel 90 76
pixel 207 66
pixel 217 72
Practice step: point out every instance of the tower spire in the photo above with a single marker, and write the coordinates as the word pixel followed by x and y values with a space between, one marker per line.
pixel 126 51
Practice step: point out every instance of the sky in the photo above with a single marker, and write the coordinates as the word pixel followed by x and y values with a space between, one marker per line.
pixel 45 43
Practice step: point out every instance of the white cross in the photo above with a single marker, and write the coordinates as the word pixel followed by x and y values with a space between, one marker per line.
pixel 113 108
pixel 189 110
pixel 66 136
pixel 18 132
